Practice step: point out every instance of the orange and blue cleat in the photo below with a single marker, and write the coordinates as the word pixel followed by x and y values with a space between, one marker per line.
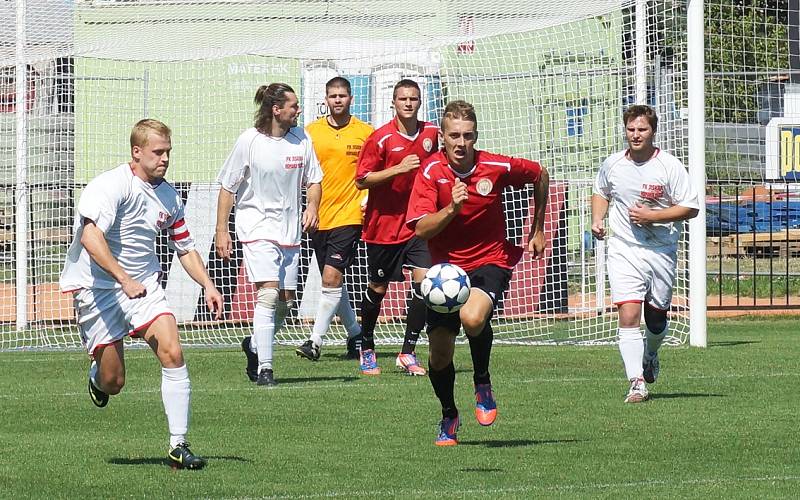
pixel 485 406
pixel 409 364
pixel 369 363
pixel 448 428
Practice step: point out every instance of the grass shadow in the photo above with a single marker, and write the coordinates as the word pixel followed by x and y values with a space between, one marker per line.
pixel 681 395
pixel 165 462
pixel 302 380
pixel 732 343
pixel 482 470
pixel 515 443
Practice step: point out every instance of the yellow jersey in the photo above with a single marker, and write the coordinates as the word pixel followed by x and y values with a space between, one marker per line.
pixel 337 150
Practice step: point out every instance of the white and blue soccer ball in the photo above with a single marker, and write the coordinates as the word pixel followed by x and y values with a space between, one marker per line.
pixel 445 288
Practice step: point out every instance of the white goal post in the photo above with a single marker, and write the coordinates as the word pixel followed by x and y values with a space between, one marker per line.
pixel 549 80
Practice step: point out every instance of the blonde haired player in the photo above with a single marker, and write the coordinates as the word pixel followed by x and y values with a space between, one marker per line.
pixel 648 191
pixel 113 271
pixel 457 207
pixel 337 138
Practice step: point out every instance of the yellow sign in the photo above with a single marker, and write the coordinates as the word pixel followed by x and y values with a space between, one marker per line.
pixel 790 153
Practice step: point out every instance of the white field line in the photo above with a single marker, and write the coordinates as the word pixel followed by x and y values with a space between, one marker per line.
pixel 399 381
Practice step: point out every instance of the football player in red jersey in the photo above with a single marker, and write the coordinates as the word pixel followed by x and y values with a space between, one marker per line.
pixel 388 163
pixel 457 206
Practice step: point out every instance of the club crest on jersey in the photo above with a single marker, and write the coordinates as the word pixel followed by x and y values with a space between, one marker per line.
pixel 484 187
pixel 427 144
pixel 161 223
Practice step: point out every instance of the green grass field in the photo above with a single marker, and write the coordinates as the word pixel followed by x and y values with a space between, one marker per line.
pixel 722 423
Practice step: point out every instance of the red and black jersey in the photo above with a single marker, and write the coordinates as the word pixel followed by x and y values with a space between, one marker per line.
pixel 384 218
pixel 477 234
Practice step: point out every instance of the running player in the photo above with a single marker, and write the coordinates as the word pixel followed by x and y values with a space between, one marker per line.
pixel 113 272
pixel 457 206
pixel 649 191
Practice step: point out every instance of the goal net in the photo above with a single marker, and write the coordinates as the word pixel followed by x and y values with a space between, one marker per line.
pixel 549 80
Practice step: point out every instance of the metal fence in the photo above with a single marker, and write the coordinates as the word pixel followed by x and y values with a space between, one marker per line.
pixel 753 246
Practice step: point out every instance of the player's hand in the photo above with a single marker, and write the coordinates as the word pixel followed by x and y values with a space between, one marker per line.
pixel 214 301
pixel 640 214
pixel 536 244
pixel 599 230
pixel 223 245
pixel 409 163
pixel 133 289
pixel 310 221
pixel 459 194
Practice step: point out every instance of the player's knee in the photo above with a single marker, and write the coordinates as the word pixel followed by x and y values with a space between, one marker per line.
pixel 375 296
pixel 438 359
pixel 378 289
pixel 473 321
pixel 630 317
pixel 113 384
pixel 332 279
pixel 267 297
pixel 441 346
pixel 656 320
pixel 171 356
pixel 438 362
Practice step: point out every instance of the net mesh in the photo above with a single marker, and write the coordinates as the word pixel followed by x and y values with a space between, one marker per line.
pixel 549 81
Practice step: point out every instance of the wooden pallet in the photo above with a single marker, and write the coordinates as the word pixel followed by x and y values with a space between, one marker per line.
pixel 759 245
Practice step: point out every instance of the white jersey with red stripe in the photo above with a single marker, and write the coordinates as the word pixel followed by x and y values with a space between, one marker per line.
pixel 131 213
pixel 267 175
pixel 660 182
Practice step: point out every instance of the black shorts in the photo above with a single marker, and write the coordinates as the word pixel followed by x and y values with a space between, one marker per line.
pixel 491 279
pixel 336 247
pixel 386 262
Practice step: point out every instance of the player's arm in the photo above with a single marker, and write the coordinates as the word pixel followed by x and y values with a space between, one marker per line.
pixel 231 175
pixel 222 240
pixel 193 263
pixel 432 224
pixel 368 173
pixel 600 201
pixel 641 214
pixel 311 213
pixel 372 179
pixel 94 241
pixel 599 211
pixel 682 194
pixel 541 190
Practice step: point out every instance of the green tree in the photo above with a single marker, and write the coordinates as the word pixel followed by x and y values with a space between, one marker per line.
pixel 747 44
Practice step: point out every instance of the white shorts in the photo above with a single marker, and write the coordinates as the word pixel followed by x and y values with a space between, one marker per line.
pixel 266 261
pixel 641 274
pixel 107 315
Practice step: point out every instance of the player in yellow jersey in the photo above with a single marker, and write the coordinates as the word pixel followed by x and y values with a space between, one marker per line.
pixel 337 139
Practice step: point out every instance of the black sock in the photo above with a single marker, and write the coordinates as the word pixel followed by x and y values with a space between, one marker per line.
pixel 370 310
pixel 480 348
pixel 443 382
pixel 415 319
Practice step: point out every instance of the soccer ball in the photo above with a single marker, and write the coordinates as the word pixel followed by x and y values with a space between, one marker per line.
pixel 445 288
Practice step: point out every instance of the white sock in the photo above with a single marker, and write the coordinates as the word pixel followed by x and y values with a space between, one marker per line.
pixel 176 393
pixel 347 314
pixel 253 347
pixel 631 347
pixel 328 303
pixel 264 333
pixel 653 341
